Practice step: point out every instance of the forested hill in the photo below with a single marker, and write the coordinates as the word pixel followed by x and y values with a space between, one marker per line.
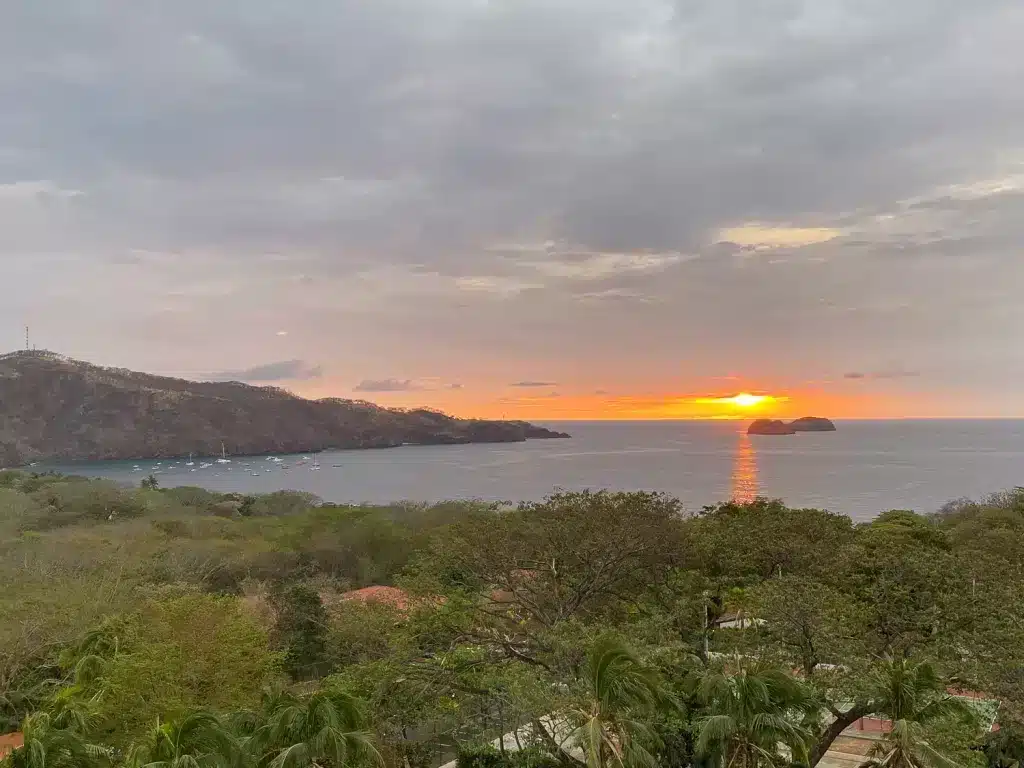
pixel 53 407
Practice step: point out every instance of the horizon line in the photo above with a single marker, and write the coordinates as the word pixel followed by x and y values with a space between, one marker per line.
pixel 753 418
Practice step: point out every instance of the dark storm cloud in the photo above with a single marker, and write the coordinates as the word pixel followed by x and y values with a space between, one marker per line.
pixel 387 385
pixel 577 175
pixel 286 370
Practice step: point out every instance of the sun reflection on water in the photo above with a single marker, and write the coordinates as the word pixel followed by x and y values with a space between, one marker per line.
pixel 745 485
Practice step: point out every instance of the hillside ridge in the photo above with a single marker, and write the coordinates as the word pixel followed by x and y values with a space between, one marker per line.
pixel 56 407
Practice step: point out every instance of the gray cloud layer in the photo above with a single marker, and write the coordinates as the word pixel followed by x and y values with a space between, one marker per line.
pixel 387 385
pixel 855 375
pixel 286 370
pixel 178 181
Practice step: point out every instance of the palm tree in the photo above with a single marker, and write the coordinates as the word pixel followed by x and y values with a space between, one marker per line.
pixel 912 695
pixel 104 641
pixel 74 704
pixel 756 715
pixel 328 728
pixel 198 740
pixel 47 746
pixel 75 698
pixel 620 690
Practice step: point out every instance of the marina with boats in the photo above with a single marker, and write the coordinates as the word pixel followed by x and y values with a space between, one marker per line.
pixel 250 465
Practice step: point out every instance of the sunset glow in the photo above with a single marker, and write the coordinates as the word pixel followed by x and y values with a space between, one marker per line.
pixel 746 401
pixel 741 400
pixel 777 400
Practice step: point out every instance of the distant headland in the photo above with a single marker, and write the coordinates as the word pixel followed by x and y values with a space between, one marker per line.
pixel 776 427
pixel 58 408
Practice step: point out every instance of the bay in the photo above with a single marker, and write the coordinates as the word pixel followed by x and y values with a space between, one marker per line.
pixel 864 468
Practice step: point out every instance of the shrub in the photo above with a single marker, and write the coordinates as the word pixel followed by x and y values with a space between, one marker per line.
pixel 488 756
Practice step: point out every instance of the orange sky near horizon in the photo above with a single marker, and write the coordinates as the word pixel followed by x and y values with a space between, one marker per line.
pixel 556 406
pixel 685 406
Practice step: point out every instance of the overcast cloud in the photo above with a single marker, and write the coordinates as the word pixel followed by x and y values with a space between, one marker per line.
pixel 286 370
pixel 387 385
pixel 636 195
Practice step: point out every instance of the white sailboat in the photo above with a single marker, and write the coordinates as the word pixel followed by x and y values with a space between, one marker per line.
pixel 223 456
pixel 190 463
pixel 316 463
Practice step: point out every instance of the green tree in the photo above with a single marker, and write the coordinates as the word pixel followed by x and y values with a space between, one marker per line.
pixel 1005 748
pixel 329 728
pixel 70 501
pixel 150 483
pixel 825 633
pixel 743 544
pixel 302 628
pixel 904 691
pixel 752 710
pixel 809 622
pixel 621 695
pixel 47 746
pixel 913 696
pixel 908 581
pixel 197 740
pixel 192 652
pixel 76 704
pixel 366 632
pixel 581 556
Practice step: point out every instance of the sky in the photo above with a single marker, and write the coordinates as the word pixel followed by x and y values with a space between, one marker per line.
pixel 527 208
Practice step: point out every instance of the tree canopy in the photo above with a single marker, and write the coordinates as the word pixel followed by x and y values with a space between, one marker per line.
pixel 180 627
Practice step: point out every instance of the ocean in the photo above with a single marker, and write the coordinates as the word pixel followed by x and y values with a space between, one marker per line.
pixel 864 468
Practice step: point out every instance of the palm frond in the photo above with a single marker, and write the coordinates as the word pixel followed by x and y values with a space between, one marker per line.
pixel 927 755
pixel 946 707
pixel 713 733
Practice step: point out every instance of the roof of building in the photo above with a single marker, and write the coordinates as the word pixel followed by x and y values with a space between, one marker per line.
pixel 10 742
pixel 379 594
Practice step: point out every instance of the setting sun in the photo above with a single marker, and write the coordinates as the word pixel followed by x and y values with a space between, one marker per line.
pixel 742 400
pixel 746 400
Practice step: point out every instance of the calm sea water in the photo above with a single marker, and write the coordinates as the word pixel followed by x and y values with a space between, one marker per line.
pixel 864 468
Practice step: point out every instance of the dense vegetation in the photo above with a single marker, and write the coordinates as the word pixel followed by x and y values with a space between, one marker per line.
pixel 180 627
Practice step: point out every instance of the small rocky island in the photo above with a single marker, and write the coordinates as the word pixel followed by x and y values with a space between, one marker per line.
pixel 813 424
pixel 770 427
pixel 776 427
pixel 53 407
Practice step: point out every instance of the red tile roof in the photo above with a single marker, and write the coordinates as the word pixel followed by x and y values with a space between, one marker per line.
pixel 10 742
pixel 392 596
